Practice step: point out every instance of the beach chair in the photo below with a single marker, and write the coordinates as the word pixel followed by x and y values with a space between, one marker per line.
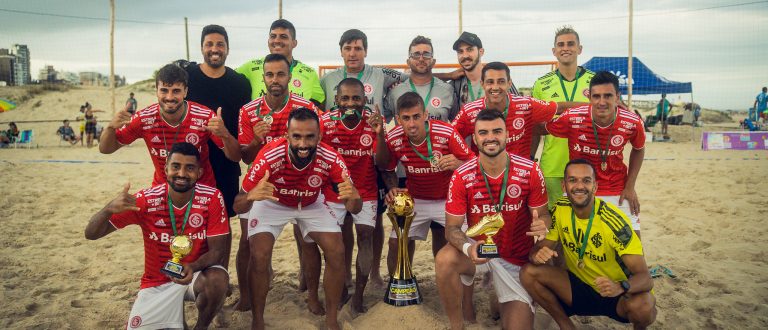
pixel 25 138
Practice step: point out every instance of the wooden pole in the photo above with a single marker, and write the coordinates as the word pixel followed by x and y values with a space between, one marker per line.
pixel 186 35
pixel 279 8
pixel 112 53
pixel 629 60
pixel 461 23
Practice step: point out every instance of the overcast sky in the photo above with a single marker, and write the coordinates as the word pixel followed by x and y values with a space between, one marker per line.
pixel 719 46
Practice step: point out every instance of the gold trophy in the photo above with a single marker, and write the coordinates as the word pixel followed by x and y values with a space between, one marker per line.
pixel 181 246
pixel 489 225
pixel 402 290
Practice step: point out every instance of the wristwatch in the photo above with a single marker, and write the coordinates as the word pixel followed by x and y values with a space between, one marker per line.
pixel 624 286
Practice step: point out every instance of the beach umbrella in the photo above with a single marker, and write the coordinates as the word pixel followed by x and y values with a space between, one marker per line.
pixel 6 105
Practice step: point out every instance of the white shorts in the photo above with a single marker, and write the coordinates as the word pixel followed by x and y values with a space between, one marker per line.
pixel 635 219
pixel 366 216
pixel 270 217
pixel 425 211
pixel 506 281
pixel 162 307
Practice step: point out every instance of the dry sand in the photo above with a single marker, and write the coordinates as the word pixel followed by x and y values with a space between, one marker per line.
pixel 702 215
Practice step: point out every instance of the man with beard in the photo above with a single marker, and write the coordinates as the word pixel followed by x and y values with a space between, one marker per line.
pixel 521 113
pixel 437 95
pixel 598 133
pixel 606 272
pixel 171 120
pixel 430 150
pixel 468 87
pixel 202 219
pixel 495 183
pixel 284 185
pixel 304 81
pixel 351 130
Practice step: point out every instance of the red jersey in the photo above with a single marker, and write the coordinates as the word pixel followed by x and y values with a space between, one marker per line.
pixel 522 115
pixel 468 196
pixel 295 186
pixel 207 218
pixel 356 145
pixel 254 111
pixel 425 181
pixel 148 124
pixel 576 125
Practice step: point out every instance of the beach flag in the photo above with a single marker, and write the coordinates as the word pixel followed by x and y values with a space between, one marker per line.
pixel 6 105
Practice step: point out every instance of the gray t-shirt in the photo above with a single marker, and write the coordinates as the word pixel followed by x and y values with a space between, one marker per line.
pixel 375 80
pixel 439 106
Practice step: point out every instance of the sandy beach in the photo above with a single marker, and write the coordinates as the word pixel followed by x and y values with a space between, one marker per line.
pixel 701 216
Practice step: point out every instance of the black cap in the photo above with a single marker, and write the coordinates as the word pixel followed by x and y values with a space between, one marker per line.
pixel 469 38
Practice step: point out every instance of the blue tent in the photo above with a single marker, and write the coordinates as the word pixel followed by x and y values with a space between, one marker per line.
pixel 644 81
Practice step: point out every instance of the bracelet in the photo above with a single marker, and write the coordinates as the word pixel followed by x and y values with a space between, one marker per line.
pixel 465 248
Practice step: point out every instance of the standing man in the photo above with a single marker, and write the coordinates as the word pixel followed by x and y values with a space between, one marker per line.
pixel 663 108
pixel 197 214
pixel 172 119
pixel 131 104
pixel 304 81
pixel 569 83
pixel 598 133
pixel 349 131
pixel 377 81
pixel 468 87
pixel 521 113
pixel 496 182
pixel 437 95
pixel 430 150
pixel 284 184
pixel 761 104
pixel 606 272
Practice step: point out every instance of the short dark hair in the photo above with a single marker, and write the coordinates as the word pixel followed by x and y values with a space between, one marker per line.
pixel 604 77
pixel 420 40
pixel 765 89
pixel 302 114
pixel 352 35
pixel 171 74
pixel 409 100
pixel 213 28
pixel 489 115
pixel 184 148
pixel 284 24
pixel 351 81
pixel 579 161
pixel 65 121
pixel 277 58
pixel 495 66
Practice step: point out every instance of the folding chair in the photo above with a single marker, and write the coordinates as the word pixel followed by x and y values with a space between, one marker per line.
pixel 25 138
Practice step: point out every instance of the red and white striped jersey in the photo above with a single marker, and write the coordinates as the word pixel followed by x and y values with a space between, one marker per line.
pixel 356 145
pixel 254 111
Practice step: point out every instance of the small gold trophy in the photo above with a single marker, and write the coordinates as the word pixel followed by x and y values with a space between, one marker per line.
pixel 181 246
pixel 402 290
pixel 489 225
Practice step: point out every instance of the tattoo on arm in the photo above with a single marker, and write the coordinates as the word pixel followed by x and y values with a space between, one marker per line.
pixel 390 179
pixel 455 236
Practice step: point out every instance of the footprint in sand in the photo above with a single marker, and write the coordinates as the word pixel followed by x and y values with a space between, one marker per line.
pixel 700 245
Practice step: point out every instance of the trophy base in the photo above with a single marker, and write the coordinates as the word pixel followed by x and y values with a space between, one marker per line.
pixel 487 251
pixel 403 292
pixel 172 269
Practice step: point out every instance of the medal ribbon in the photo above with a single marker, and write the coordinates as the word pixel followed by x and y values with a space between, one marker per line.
pixel 173 216
pixel 431 84
pixel 503 185
pixel 429 146
pixel 359 74
pixel 271 111
pixel 603 153
pixel 575 84
pixel 346 114
pixel 583 246
pixel 472 92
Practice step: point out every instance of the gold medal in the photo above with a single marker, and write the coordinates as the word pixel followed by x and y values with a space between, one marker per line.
pixel 268 119
pixel 603 166
pixel 581 264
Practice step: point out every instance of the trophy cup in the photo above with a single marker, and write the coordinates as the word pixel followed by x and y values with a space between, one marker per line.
pixel 180 247
pixel 402 290
pixel 489 225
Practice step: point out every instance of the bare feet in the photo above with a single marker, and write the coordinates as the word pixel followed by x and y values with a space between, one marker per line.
pixel 376 282
pixel 357 304
pixel 333 325
pixel 302 282
pixel 222 319
pixel 315 307
pixel 242 305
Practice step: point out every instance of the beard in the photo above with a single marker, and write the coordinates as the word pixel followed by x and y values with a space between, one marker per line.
pixel 302 161
pixel 181 188
pixel 585 203
pixel 215 63
pixel 472 64
pixel 489 153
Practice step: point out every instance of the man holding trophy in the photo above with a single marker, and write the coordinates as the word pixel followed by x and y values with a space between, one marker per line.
pixel 183 247
pixel 503 199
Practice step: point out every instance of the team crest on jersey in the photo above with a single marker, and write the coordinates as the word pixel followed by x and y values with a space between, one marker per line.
pixel 314 181
pixel 518 123
pixel 437 154
pixel 136 321
pixel 296 83
pixel 368 89
pixel 585 92
pixel 435 101
pixel 195 220
pixel 366 140
pixel 192 138
pixel 617 140
pixel 514 191
pixel 253 223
